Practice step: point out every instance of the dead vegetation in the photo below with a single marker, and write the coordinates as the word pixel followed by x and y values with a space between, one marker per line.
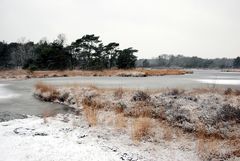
pixel 141 109
pixel 230 91
pixel 118 93
pixel 139 114
pixel 47 92
pixel 120 107
pixel 141 128
pixel 47 114
pixel 141 96
pixel 91 115
pixel 161 72
pixel 138 72
pixel 120 121
pixel 176 91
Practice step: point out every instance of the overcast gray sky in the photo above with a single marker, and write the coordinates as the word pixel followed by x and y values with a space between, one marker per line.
pixel 204 28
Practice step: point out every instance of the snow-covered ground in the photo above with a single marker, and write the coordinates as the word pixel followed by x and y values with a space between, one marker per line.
pixel 69 138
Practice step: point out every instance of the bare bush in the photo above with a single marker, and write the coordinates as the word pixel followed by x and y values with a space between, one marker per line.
pixel 176 91
pixel 120 107
pixel 141 96
pixel 228 91
pixel 96 104
pixel 141 109
pixel 237 92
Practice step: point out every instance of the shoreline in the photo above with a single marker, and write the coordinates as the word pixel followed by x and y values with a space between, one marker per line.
pixel 207 115
pixel 154 104
pixel 138 72
pixel 128 124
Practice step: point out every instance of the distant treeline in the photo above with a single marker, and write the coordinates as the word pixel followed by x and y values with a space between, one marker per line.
pixel 87 53
pixel 188 62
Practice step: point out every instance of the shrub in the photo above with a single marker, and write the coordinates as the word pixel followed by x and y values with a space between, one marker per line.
pixel 228 91
pixel 120 107
pixel 140 109
pixel 96 104
pixel 229 113
pixel 237 92
pixel 141 128
pixel 141 96
pixel 176 91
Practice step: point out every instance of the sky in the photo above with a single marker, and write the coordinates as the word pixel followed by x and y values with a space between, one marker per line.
pixel 203 28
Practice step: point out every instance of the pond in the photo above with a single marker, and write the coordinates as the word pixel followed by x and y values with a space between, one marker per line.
pixel 17 95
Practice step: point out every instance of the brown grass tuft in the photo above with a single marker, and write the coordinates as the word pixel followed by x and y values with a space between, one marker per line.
pixel 94 103
pixel 47 114
pixel 120 107
pixel 141 128
pixel 167 133
pixel 141 109
pixel 228 91
pixel 118 93
pixel 47 88
pixel 91 115
pixel 43 87
pixel 120 121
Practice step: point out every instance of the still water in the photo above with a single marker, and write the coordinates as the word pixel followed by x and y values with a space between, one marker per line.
pixel 17 95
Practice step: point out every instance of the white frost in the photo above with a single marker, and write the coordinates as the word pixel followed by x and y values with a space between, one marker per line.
pixel 25 140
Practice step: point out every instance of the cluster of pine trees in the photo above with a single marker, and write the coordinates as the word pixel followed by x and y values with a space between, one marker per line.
pixel 88 53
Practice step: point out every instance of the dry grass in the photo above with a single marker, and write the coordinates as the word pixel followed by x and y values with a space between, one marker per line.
pixel 120 121
pixel 141 109
pixel 94 103
pixel 118 93
pixel 91 115
pixel 91 108
pixel 50 90
pixel 141 128
pixel 20 74
pixel 92 86
pixel 47 114
pixel 119 108
pixel 167 133
pixel 230 91
pixel 161 72
pixel 43 87
pixel 197 91
pixel 209 148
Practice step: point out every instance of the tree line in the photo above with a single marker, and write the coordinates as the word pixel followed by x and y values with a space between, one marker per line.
pixel 88 53
pixel 188 62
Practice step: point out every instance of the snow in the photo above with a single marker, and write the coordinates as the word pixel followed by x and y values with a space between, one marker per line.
pixel 220 81
pixel 69 138
pixel 5 93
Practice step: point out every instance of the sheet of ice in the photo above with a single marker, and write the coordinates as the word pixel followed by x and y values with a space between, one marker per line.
pixel 5 93
pixel 219 81
pixel 224 77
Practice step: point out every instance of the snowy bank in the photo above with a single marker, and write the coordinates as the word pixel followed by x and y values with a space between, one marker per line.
pixel 68 137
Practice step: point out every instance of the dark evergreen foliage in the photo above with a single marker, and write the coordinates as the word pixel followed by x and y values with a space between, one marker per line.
pixel 87 53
